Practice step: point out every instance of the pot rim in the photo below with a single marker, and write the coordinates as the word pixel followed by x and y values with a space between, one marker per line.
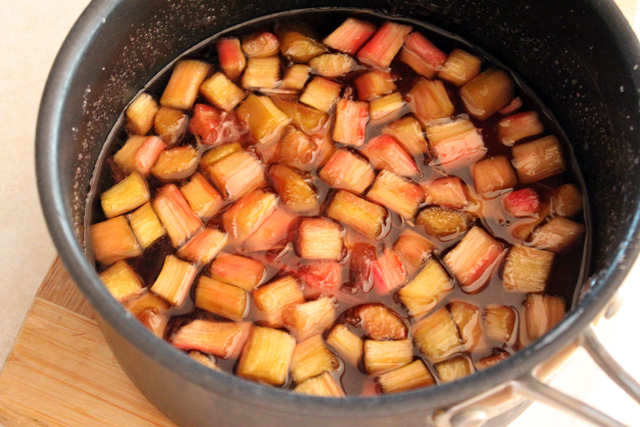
pixel 49 136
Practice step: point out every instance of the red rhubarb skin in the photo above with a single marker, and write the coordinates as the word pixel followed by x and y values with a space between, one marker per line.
pixel 350 36
pixel 389 273
pixel 215 127
pixel 385 152
pixel 147 154
pixel 384 45
pixel 422 55
pixel 232 60
pixel 324 276
pixel 522 203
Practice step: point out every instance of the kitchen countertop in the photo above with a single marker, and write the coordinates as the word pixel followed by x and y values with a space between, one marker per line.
pixel 32 32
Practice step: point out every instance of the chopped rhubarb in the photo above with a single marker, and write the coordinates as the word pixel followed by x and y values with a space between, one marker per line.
pixel 296 149
pixel 522 203
pixel 175 280
pixel 295 77
pixel 527 269
pixel 374 84
pixel 460 67
pixel 437 335
pixel 140 114
pixel 541 313
pixel 487 93
pixel 221 339
pixel 350 36
pixel 237 174
pixel 221 92
pixel 519 126
pixel 321 94
pixel 566 201
pixel 449 192
pixel 245 273
pixel 426 290
pixel 493 174
pixel 361 215
pixel 295 192
pixel 384 45
pixel 214 127
pixel 204 246
pixel 429 101
pixel 176 163
pixel 148 154
pixel 145 225
pixel 262 73
pixel 363 257
pixel 297 46
pixel 311 357
pixel 128 194
pixel 332 65
pixel 260 45
pixel 389 272
pixel 175 213
pixel 266 356
pixel 421 55
pixel 500 323
pixel 351 122
pixel 378 322
pixel 557 235
pixel 385 356
pixel 265 121
pixel 272 233
pixel 489 361
pixel 113 240
pixel 396 193
pixel 523 231
pixel 456 144
pixel 386 153
pixel 413 249
pixel 182 89
pixel 324 276
pixel 409 377
pixel 319 238
pixel 220 298
pixel 125 156
pixel 539 159
pixel 346 343
pixel 310 318
pixel 248 213
pixel 273 299
pixel 443 223
pixel 307 119
pixel 203 359
pixel 386 107
pixel 323 385
pixel 408 132
pixel 469 320
pixel 454 369
pixel 150 310
pixel 513 106
pixel 202 197
pixel 347 170
pixel 122 281
pixel 232 60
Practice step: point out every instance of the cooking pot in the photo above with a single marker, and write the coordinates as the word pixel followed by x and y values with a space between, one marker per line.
pixel 579 56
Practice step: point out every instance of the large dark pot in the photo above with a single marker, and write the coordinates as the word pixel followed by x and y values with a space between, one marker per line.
pixel 579 56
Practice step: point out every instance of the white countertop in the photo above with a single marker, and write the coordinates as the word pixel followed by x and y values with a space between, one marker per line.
pixel 31 34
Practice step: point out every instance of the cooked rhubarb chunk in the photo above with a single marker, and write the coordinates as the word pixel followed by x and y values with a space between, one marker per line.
pixel 469 320
pixel 409 377
pixel 113 240
pixel 378 322
pixel 449 192
pixel 413 249
pixel 237 174
pixel 175 213
pixel 385 356
pixel 473 259
pixel 358 213
pixel 386 108
pixel 232 60
pixel 262 73
pixel 265 121
pixel 487 93
pixel 297 46
pixel 527 269
pixel 522 203
pixel 176 163
pixel 203 359
pixel 384 45
pixel 220 298
pixel 374 84
pixel 454 369
pixel 557 235
pixel 443 223
pixel 128 194
pixel 125 156
pixel 150 310
pixel 122 281
pixel 245 273
pixel 310 318
pixel 311 357
pixel 351 122
pixel 202 197
pixel 321 94
pixel 204 246
pixel 408 132
pixel 428 100
pixel 322 275
pixel 213 127
pixel 308 120
pixel 182 89
pixel 542 312
pixel 456 144
pixel 332 64
pixel 489 361
pixel 493 174
pixel 539 159
pixel 514 105
pixel 296 149
pixel 519 126
pixel 460 67
pixel 295 77
pixel 500 323
pixel 426 290
pixel 346 343
pixel 218 153
pixel 273 299
pixel 267 356
pixel 323 385
pixel 140 114
pixel 363 256
pixel 421 55
pixel 386 153
pixel 260 44
pixel 320 238
pixel 348 171
pixel 148 154
pixel 221 92
pixel 350 36
pixel 272 233
pixel 248 213
pixel 221 339
pixel 523 231
pixel 175 280
pixel 437 335
pixel 389 272
pixel 396 193
pixel 294 191
pixel 566 201
pixel 145 225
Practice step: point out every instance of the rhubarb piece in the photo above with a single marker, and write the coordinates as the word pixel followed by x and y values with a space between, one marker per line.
pixel 213 127
pixel 437 335
pixel 176 163
pixel 267 356
pixel 449 192
pixel 500 323
pixel 273 299
pixel 203 359
pixel 260 44
pixel 295 149
pixel 348 171
pixel 363 256
pixel 384 45
pixel 539 159
pixel 248 213
pixel 489 361
pixel 361 215
pixel 113 240
pixel 125 196
pixel 409 377
pixel 321 94
pixel 473 259
pixel 322 275
pixel 332 64
pixel 351 122
pixel 182 89
pixel 150 310
pixel 221 92
pixel 310 318
pixel 428 100
pixel 519 126
pixel 125 156
pixel 175 280
pixel 443 223
pixel 225 300
pixel 385 356
pixel 140 114
pixel 266 122
pixel 221 339
pixel 566 201
pixel 421 55
pixel 175 213
pixel 297 46
pixel 311 357
pixel 145 225
pixel 262 73
pixel 408 132
pixel 460 67
pixel 541 313
pixel 374 84
pixel 469 320
pixel 557 235
pixel 386 153
pixel 323 385
pixel 396 193
pixel 346 343
pixel 295 77
pixel 426 290
pixel 204 246
pixel 523 231
pixel 378 322
pixel 245 273
pixel 527 269
pixel 454 369
pixel 232 60
pixel 514 105
pixel 148 154
pixel 307 119
pixel 319 238
pixel 389 272
pixel 522 203
pixel 493 174
pixel 350 36
pixel 122 281
pixel 413 249
pixel 487 93
pixel 294 191
pixel 456 144
pixel 202 197
pixel 237 174
pixel 386 107
pixel 272 233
